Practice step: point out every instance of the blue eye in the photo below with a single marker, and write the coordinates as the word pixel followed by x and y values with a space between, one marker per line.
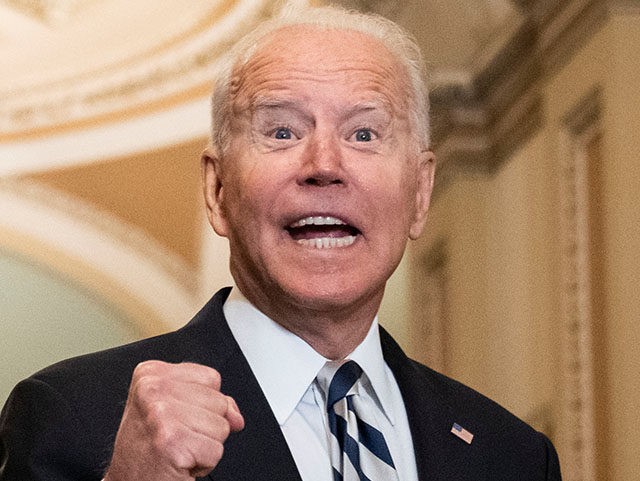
pixel 363 135
pixel 282 133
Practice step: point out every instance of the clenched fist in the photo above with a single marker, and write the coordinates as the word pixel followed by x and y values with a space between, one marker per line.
pixel 174 425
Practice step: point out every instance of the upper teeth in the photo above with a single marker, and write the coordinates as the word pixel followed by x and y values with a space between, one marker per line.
pixel 317 220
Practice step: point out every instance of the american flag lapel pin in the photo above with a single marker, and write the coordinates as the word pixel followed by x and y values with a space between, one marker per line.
pixel 462 433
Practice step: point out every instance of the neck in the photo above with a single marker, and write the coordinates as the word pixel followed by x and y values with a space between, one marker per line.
pixel 331 340
pixel 331 330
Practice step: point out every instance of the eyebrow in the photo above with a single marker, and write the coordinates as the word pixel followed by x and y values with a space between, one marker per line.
pixel 266 105
pixel 366 107
pixel 263 105
pixel 271 103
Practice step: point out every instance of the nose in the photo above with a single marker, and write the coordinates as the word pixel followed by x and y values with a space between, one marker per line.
pixel 322 163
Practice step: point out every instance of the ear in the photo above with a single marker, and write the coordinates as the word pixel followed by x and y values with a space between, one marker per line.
pixel 424 188
pixel 214 191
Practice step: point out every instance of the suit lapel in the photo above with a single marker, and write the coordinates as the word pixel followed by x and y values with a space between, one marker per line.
pixel 440 456
pixel 259 452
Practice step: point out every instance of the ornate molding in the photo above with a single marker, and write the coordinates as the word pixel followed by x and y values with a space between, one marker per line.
pixel 183 66
pixel 430 307
pixel 479 125
pixel 577 430
pixel 49 11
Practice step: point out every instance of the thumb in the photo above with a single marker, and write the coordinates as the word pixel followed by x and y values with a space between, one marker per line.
pixel 236 421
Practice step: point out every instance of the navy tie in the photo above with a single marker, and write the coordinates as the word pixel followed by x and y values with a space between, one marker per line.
pixel 358 450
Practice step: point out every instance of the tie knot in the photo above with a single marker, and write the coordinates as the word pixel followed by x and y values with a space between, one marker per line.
pixel 338 379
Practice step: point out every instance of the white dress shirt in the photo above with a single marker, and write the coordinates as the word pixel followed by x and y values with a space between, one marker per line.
pixel 286 367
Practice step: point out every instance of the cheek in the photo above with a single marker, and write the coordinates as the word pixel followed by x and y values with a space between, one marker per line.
pixel 396 198
pixel 251 202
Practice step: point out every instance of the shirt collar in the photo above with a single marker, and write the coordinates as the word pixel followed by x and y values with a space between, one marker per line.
pixel 285 365
pixel 369 357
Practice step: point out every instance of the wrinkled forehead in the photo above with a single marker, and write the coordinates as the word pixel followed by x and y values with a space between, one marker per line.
pixel 310 54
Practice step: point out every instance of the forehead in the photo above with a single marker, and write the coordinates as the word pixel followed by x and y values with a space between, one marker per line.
pixel 304 59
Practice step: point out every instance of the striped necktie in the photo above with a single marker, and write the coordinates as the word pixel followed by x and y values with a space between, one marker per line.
pixel 358 450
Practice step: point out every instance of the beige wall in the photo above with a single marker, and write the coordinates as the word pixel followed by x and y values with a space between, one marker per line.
pixel 503 241
pixel 622 236
pixel 499 235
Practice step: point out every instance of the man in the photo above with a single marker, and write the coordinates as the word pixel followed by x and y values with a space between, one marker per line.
pixel 319 172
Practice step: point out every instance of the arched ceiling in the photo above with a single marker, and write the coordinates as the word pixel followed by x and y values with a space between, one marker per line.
pixel 66 61
pixel 78 75
pixel 50 41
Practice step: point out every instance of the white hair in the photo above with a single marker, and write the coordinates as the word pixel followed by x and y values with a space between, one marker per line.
pixel 399 42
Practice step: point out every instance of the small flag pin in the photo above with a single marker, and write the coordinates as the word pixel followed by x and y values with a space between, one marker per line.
pixel 462 433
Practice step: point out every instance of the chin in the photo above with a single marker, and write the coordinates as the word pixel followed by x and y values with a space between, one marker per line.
pixel 334 296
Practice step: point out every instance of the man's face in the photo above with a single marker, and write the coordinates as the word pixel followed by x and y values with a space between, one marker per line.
pixel 323 181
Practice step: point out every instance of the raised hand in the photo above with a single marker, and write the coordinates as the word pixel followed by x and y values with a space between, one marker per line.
pixel 174 425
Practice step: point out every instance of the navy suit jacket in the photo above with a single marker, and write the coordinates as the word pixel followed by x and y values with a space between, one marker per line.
pixel 60 424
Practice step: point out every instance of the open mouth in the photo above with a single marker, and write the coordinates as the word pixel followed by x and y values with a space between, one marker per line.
pixel 323 232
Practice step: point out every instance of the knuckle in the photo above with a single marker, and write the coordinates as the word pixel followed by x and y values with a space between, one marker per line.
pixel 219 403
pixel 206 374
pixel 146 368
pixel 168 441
pixel 216 379
pixel 224 429
pixel 167 438
pixel 163 436
pixel 208 459
pixel 157 413
pixel 216 452
pixel 147 388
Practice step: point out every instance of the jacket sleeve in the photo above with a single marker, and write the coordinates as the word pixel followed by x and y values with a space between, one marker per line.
pixel 42 438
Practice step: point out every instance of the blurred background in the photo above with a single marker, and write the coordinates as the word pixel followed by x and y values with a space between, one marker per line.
pixel 524 285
